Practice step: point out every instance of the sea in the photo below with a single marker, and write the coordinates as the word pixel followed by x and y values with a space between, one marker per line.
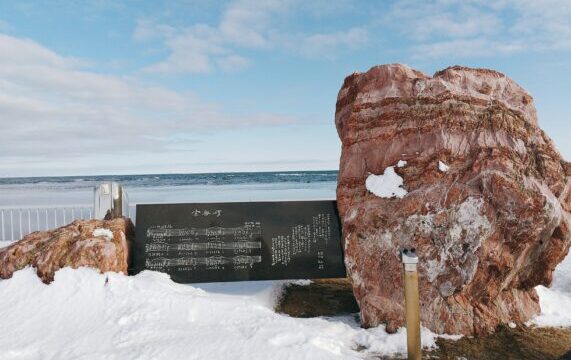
pixel 30 192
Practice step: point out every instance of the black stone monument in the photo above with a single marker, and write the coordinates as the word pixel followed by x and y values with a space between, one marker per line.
pixel 211 242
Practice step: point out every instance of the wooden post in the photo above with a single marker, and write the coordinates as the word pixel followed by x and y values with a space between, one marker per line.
pixel 412 303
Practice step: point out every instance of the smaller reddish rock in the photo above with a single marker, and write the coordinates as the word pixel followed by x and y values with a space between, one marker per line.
pixel 101 244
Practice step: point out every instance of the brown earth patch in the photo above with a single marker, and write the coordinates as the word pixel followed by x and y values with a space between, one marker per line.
pixel 334 297
pixel 327 297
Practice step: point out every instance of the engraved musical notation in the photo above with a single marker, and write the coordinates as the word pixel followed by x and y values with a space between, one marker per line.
pixel 163 231
pixel 210 248
pixel 235 245
pixel 197 261
pixel 239 241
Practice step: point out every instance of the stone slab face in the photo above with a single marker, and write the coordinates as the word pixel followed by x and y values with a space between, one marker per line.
pixel 488 229
pixel 240 241
pixel 101 244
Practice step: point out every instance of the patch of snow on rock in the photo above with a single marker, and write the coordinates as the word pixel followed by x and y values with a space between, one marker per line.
pixel 387 185
pixel 106 233
pixel 401 163
pixel 442 166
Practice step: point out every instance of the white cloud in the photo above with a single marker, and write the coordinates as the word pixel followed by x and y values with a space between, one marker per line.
pixel 232 62
pixel 191 50
pixel 246 22
pixel 201 48
pixel 244 25
pixel 146 30
pixel 479 28
pixel 325 45
pixel 464 48
pixel 546 24
pixel 52 107
pixel 4 26
pixel 453 19
pixel 26 52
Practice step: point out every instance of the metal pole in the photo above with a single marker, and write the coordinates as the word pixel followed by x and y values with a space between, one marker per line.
pixel 412 303
pixel 117 206
pixel 20 217
pixel 110 201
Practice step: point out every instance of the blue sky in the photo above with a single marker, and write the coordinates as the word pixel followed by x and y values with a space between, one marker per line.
pixel 121 87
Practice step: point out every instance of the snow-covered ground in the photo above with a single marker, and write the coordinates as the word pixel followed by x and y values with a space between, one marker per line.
pixel 556 301
pixel 87 315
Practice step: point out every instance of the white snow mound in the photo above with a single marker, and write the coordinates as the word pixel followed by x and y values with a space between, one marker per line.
pixel 555 302
pixel 387 185
pixel 83 314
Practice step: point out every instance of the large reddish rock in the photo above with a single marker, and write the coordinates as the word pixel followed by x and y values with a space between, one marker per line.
pixel 490 222
pixel 101 244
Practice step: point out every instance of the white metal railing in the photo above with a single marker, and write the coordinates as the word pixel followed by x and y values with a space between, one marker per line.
pixel 15 223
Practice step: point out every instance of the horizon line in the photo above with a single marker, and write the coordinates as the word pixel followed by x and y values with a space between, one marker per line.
pixel 175 173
